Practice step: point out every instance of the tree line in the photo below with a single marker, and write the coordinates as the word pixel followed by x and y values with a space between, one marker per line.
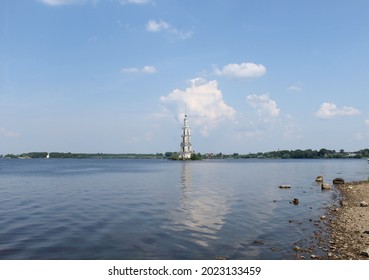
pixel 280 154
pixel 299 154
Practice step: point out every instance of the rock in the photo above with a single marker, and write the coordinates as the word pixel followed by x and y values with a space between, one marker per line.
pixel 295 201
pixel 363 204
pixel 344 203
pixel 365 252
pixel 326 186
pixel 338 181
pixel 285 186
pixel 259 242
pixel 319 179
pixel 297 248
pixel 313 257
pixel 322 217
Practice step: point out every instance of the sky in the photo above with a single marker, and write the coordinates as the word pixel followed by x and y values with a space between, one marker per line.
pixel 116 76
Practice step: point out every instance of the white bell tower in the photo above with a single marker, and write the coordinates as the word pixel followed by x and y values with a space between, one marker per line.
pixel 186 146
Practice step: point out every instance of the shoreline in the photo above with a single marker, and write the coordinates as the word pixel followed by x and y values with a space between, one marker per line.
pixel 342 233
pixel 348 223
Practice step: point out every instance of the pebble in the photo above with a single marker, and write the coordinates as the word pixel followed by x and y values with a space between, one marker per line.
pixel 363 204
pixel 365 253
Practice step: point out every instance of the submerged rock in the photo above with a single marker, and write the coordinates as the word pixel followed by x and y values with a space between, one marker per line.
pixel 295 201
pixel 338 181
pixel 326 186
pixel 319 179
pixel 297 248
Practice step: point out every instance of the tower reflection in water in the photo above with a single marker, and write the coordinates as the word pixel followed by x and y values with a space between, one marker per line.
pixel 202 206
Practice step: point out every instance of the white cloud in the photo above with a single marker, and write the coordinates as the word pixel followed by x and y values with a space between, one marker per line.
pixel 204 104
pixel 266 108
pixel 149 69
pixel 146 69
pixel 367 122
pixel 329 110
pixel 243 70
pixel 156 26
pixel 163 26
pixel 6 133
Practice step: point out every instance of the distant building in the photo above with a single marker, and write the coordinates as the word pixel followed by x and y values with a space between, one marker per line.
pixel 186 146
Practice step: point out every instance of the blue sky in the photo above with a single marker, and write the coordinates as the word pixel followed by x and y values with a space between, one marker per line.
pixel 115 75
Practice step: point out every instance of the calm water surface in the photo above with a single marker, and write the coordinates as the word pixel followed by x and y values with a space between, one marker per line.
pixel 159 209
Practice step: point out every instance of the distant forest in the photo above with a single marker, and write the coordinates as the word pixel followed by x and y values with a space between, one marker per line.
pixel 280 154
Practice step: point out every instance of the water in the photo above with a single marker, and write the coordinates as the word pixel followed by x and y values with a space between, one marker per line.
pixel 159 209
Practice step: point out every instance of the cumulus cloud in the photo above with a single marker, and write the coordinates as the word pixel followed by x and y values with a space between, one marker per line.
pixel 146 69
pixel 204 104
pixel 367 122
pixel 329 110
pixel 6 133
pixel 266 108
pixel 163 26
pixel 243 70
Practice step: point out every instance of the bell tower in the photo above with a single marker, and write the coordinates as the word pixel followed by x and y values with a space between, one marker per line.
pixel 186 146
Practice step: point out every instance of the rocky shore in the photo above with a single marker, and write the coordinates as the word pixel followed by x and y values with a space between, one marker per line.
pixel 343 232
pixel 348 223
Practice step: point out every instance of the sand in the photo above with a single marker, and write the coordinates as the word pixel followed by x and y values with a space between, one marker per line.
pixel 348 224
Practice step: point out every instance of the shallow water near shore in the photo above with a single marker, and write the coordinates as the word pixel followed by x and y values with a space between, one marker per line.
pixel 160 209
